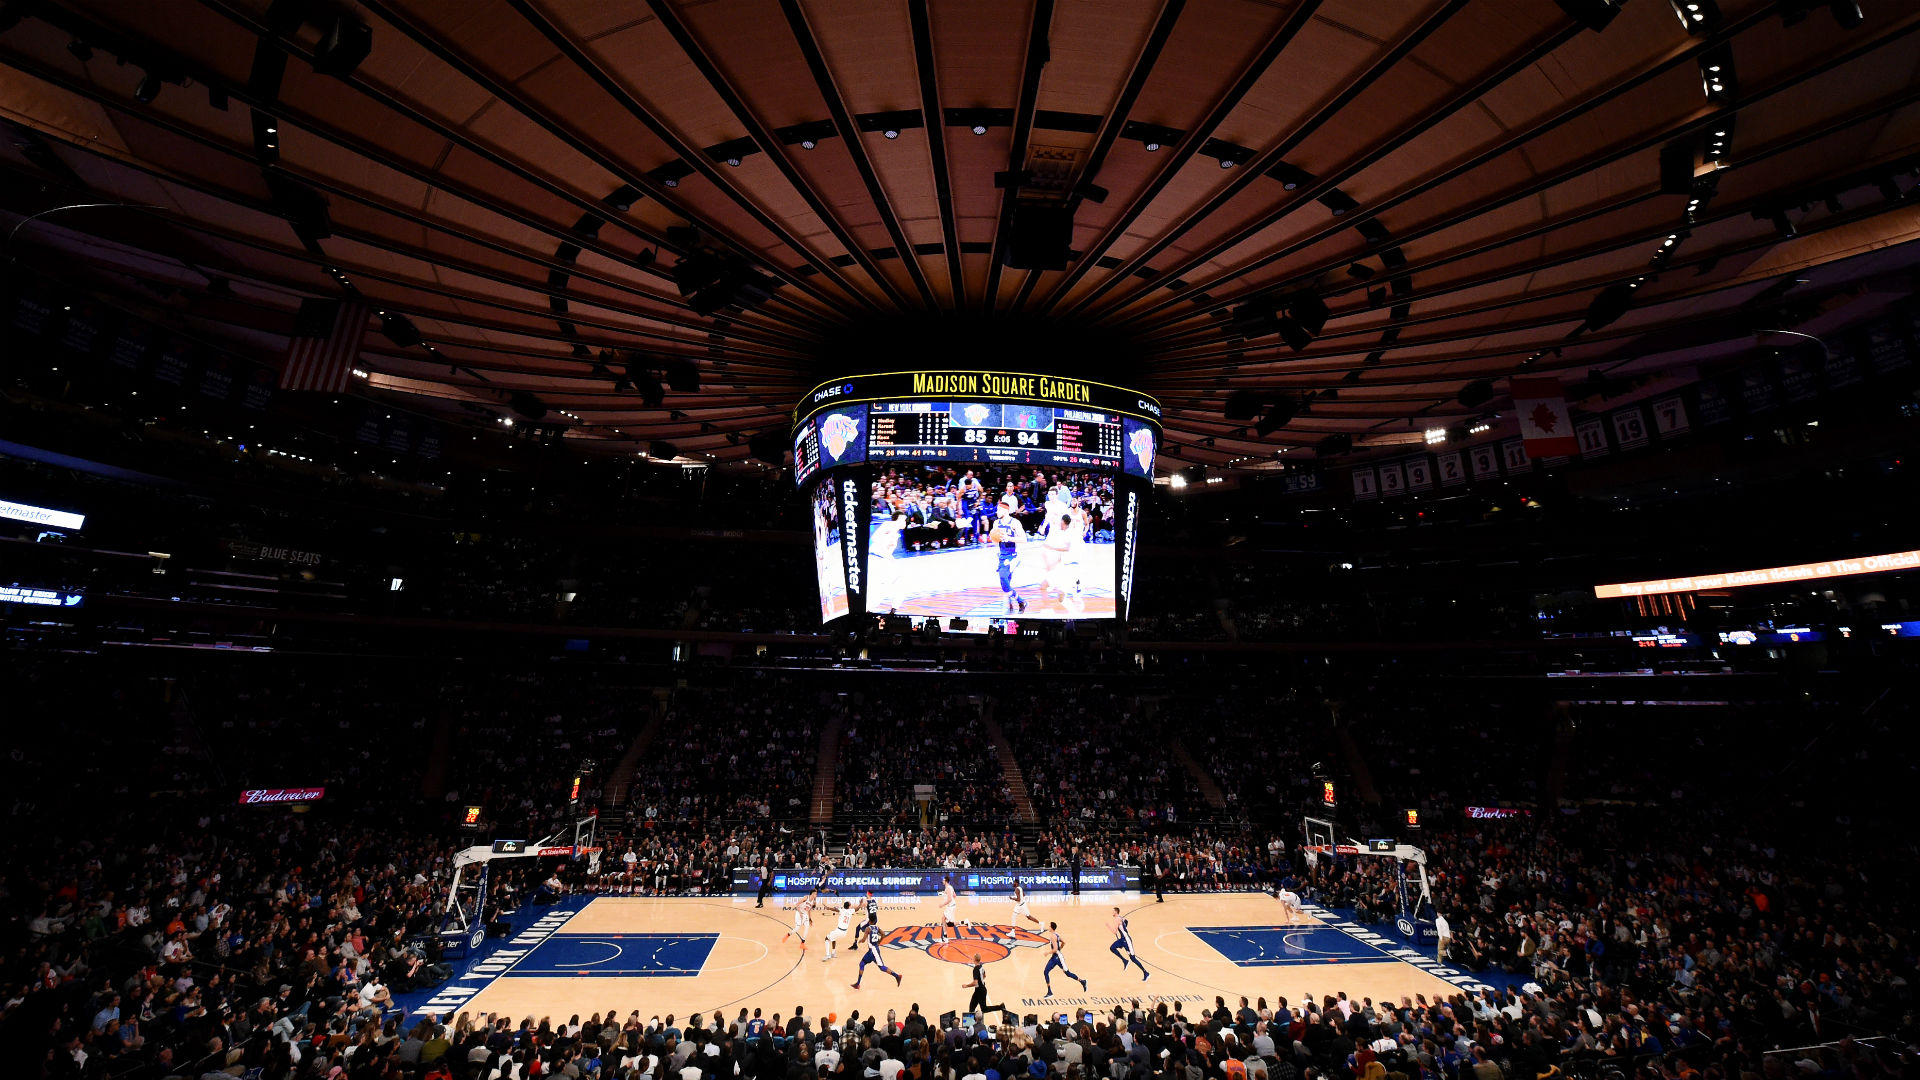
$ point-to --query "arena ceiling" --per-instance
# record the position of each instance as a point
(1465, 185)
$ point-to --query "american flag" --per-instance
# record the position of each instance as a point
(325, 343)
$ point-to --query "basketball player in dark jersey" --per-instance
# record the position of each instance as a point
(873, 909)
(1008, 532)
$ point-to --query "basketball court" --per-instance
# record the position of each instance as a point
(694, 954)
(964, 583)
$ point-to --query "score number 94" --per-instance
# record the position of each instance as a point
(1020, 438)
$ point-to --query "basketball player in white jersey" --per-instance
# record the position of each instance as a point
(1123, 943)
(1020, 910)
(802, 919)
(1058, 549)
(839, 931)
(1289, 904)
(947, 905)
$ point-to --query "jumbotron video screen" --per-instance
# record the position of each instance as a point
(976, 496)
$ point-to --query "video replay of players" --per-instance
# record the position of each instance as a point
(956, 540)
(975, 498)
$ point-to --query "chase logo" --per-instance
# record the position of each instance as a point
(1146, 406)
(833, 391)
(973, 881)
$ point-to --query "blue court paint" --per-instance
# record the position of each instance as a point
(1287, 946)
(624, 956)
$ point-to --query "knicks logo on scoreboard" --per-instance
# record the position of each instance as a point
(986, 943)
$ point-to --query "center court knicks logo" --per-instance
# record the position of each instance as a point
(989, 943)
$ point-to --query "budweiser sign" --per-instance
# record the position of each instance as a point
(1496, 813)
(281, 795)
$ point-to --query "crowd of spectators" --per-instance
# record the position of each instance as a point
(1096, 755)
(743, 751)
(913, 735)
(947, 846)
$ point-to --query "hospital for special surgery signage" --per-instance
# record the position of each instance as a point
(929, 881)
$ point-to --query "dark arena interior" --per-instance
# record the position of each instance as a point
(960, 539)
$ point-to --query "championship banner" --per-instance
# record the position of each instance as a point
(1670, 416)
(1715, 406)
(1630, 427)
(1393, 480)
(1453, 471)
(1486, 462)
(1514, 452)
(989, 880)
(1419, 473)
(1756, 388)
(1842, 368)
(1887, 347)
(1365, 485)
(1544, 422)
(1592, 434)
(1798, 379)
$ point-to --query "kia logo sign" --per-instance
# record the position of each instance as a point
(259, 796)
(1404, 925)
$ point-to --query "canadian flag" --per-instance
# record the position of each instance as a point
(1544, 422)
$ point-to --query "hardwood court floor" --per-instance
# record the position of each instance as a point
(685, 955)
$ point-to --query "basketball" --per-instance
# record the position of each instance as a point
(963, 952)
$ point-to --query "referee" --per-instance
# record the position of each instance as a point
(766, 884)
(978, 1003)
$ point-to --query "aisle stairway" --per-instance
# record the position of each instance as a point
(1562, 752)
(825, 766)
(613, 791)
(1009, 765)
(1208, 788)
(1356, 765)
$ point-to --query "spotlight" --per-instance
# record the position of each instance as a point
(623, 197)
(1847, 13)
(1242, 405)
(891, 133)
(734, 161)
(342, 46)
(1152, 146)
(148, 89)
(1697, 16)
(1436, 436)
(1782, 224)
(807, 144)
(1279, 415)
(1311, 311)
(1290, 176)
(1294, 334)
(1226, 163)
(979, 129)
(1592, 14)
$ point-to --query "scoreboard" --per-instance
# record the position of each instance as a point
(995, 432)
